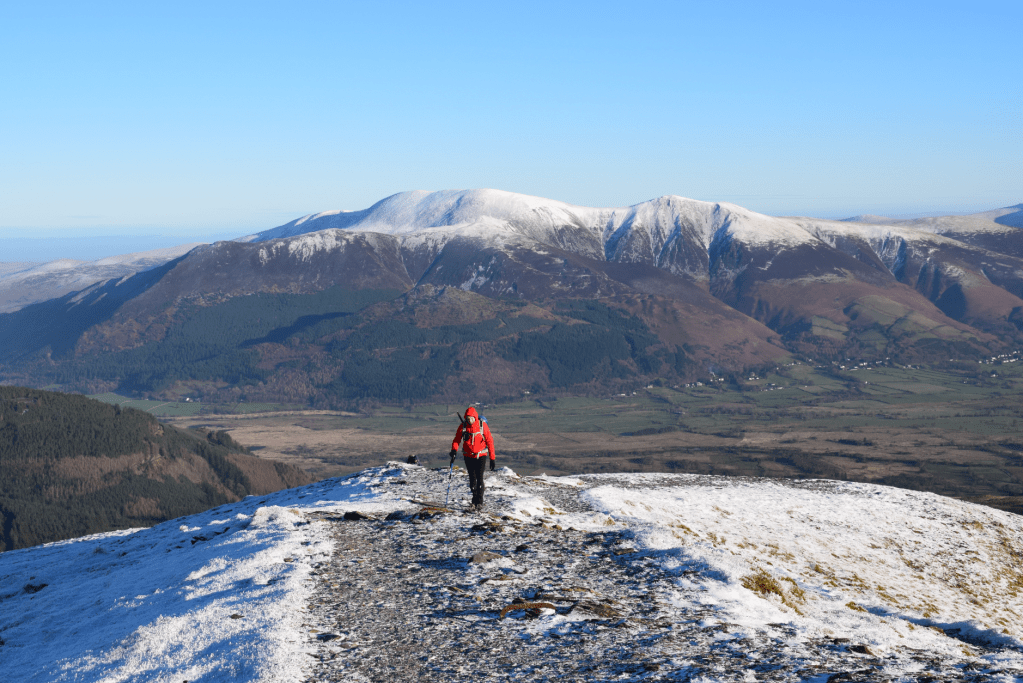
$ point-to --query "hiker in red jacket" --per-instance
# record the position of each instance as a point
(477, 446)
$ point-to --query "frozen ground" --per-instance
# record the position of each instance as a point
(601, 577)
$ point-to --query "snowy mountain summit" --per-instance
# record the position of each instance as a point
(599, 577)
(718, 285)
(653, 230)
(784, 271)
(651, 227)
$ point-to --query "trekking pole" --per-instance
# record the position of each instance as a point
(451, 470)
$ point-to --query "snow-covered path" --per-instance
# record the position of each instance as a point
(630, 577)
(636, 594)
(213, 596)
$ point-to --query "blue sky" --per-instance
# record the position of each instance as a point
(181, 121)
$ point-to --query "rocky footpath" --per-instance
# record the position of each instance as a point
(433, 593)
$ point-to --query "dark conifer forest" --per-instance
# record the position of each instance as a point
(73, 466)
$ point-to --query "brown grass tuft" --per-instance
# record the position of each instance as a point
(763, 584)
(526, 606)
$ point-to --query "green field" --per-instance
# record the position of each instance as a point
(801, 396)
(815, 398)
(956, 431)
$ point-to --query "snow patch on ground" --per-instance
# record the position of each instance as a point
(211, 595)
(884, 566)
(223, 594)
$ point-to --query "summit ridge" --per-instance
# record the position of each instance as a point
(615, 576)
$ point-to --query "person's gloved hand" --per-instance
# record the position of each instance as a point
(452, 454)
(491, 465)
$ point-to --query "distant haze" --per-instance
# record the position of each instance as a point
(91, 248)
(85, 244)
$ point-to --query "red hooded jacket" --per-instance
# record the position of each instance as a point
(475, 438)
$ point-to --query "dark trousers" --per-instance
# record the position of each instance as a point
(475, 467)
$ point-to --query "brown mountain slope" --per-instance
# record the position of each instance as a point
(368, 305)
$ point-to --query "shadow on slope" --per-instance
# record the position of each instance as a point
(58, 324)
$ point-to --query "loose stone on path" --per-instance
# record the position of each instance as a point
(448, 596)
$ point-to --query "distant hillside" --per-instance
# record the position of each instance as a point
(429, 295)
(23, 284)
(72, 466)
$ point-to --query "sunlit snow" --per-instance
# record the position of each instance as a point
(221, 595)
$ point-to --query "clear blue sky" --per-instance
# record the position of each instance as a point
(213, 119)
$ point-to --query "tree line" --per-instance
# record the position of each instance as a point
(72, 466)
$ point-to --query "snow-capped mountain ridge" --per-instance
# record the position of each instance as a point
(410, 212)
(1003, 220)
(36, 282)
(655, 231)
(709, 266)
